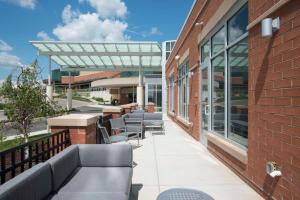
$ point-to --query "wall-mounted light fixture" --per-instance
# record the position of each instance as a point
(190, 74)
(268, 26)
(199, 23)
(272, 169)
(177, 57)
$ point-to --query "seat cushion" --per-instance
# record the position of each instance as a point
(33, 184)
(89, 196)
(63, 164)
(99, 179)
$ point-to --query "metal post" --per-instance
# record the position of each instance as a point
(69, 94)
(49, 86)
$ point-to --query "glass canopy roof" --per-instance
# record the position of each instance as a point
(85, 56)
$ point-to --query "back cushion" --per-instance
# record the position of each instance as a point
(63, 164)
(105, 155)
(153, 116)
(136, 115)
(33, 184)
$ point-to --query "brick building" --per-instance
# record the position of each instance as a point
(238, 92)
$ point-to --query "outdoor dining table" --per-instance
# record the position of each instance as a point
(183, 194)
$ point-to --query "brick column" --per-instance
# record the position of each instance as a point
(82, 127)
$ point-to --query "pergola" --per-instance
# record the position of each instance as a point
(104, 56)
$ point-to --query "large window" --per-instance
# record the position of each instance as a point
(183, 83)
(226, 52)
(171, 93)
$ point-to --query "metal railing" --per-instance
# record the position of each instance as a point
(22, 157)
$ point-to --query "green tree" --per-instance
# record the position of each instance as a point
(26, 100)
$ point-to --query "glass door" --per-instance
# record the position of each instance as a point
(205, 108)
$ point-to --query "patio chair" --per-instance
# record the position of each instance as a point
(109, 139)
(118, 126)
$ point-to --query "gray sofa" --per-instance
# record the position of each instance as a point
(102, 172)
(147, 118)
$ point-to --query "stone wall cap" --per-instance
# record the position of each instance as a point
(126, 106)
(113, 110)
(75, 119)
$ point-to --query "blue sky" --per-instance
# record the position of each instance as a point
(83, 20)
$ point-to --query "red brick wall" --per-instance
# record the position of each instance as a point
(274, 100)
(274, 97)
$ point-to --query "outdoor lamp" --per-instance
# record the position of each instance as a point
(177, 57)
(268, 26)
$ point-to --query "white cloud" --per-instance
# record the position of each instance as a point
(44, 36)
(89, 27)
(68, 14)
(30, 4)
(4, 46)
(155, 31)
(108, 8)
(8, 60)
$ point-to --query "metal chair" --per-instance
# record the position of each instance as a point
(118, 126)
(109, 139)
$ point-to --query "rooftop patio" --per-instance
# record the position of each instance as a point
(177, 160)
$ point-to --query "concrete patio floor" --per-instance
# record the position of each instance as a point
(177, 160)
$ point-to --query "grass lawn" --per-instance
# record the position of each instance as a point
(12, 143)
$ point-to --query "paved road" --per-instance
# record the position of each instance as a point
(42, 123)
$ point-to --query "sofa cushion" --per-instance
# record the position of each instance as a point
(63, 164)
(89, 196)
(99, 179)
(152, 116)
(136, 115)
(105, 155)
(33, 184)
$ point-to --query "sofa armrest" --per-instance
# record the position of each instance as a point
(105, 155)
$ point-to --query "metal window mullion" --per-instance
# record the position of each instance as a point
(210, 87)
(226, 84)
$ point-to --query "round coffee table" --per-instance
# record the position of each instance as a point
(183, 194)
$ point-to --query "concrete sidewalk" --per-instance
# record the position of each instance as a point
(177, 160)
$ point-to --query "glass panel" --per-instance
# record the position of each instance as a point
(99, 47)
(42, 47)
(237, 25)
(67, 60)
(158, 98)
(116, 60)
(76, 47)
(87, 60)
(135, 60)
(167, 55)
(77, 60)
(146, 60)
(97, 60)
(204, 100)
(65, 47)
(122, 47)
(110, 47)
(126, 60)
(133, 47)
(218, 41)
(238, 112)
(146, 47)
(168, 46)
(58, 60)
(205, 51)
(87, 47)
(53, 47)
(106, 60)
(172, 45)
(155, 48)
(218, 103)
(151, 93)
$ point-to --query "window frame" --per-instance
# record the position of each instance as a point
(183, 89)
(208, 39)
